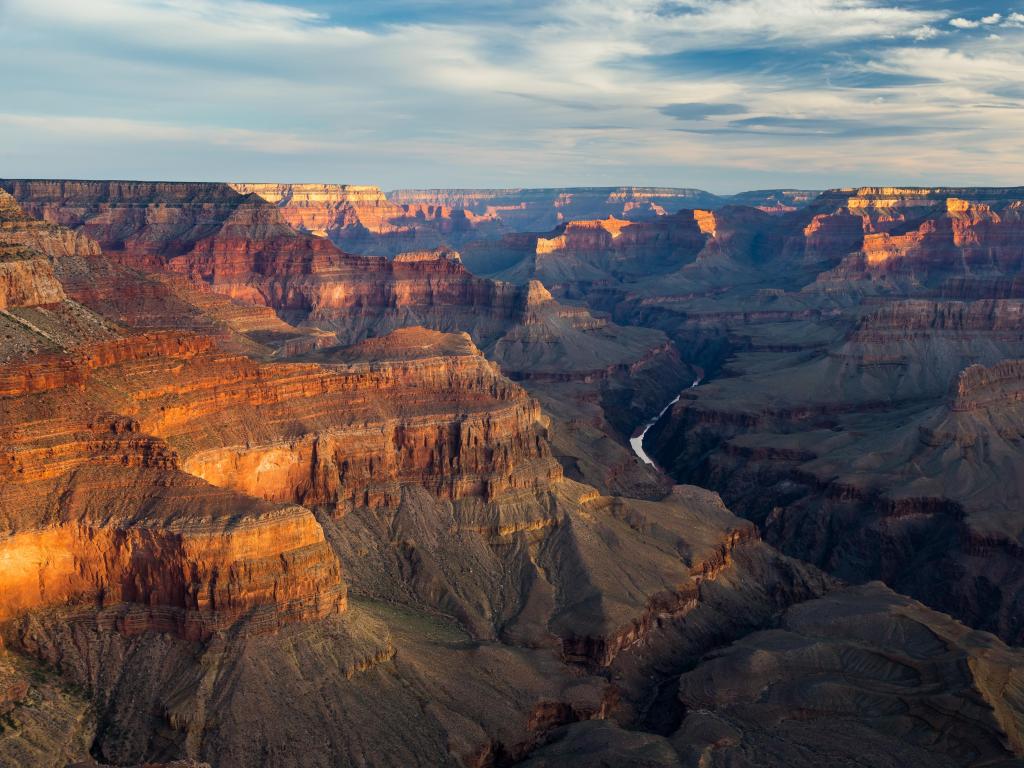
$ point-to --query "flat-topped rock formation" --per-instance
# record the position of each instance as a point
(538, 210)
(241, 246)
(586, 252)
(361, 219)
(926, 235)
(318, 208)
(364, 220)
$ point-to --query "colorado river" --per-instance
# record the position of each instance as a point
(637, 442)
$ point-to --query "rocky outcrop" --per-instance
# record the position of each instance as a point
(141, 224)
(538, 210)
(456, 427)
(96, 510)
(28, 282)
(242, 247)
(192, 578)
(24, 234)
(981, 387)
(361, 219)
(582, 253)
(54, 371)
(926, 235)
(27, 249)
(319, 208)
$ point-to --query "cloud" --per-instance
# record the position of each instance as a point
(190, 23)
(995, 18)
(820, 127)
(724, 23)
(79, 127)
(700, 110)
(540, 91)
(924, 33)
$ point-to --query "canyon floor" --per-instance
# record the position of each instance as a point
(315, 475)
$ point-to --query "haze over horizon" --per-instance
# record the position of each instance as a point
(723, 95)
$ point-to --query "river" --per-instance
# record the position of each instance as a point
(637, 442)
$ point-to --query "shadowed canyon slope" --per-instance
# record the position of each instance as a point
(267, 501)
(843, 680)
(840, 340)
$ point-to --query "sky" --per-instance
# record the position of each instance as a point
(723, 95)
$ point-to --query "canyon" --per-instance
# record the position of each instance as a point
(310, 474)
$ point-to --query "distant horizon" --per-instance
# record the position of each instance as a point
(494, 188)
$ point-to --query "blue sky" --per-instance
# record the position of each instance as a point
(720, 94)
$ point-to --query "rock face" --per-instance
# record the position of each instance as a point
(26, 247)
(361, 219)
(27, 283)
(927, 236)
(898, 439)
(823, 432)
(241, 246)
(195, 562)
(586, 258)
(607, 249)
(538, 210)
(208, 245)
(364, 220)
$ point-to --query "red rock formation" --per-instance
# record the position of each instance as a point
(362, 220)
(98, 510)
(28, 282)
(924, 234)
(541, 209)
(593, 252)
(19, 231)
(980, 387)
(352, 432)
(192, 578)
(242, 247)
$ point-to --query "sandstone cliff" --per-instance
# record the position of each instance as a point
(361, 219)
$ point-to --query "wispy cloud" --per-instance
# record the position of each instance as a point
(78, 127)
(700, 110)
(719, 93)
